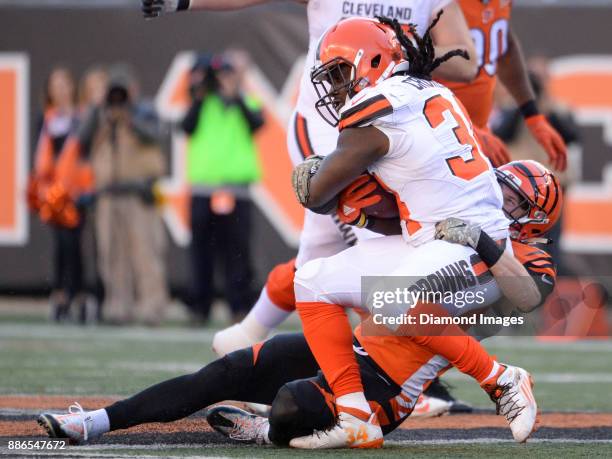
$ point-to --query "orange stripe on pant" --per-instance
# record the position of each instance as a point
(330, 338)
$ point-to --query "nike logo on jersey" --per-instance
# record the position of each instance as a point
(547, 279)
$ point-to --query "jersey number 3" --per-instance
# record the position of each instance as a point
(438, 111)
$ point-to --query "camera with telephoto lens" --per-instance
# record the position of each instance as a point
(209, 65)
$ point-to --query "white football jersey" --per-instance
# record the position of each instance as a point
(434, 165)
(322, 14)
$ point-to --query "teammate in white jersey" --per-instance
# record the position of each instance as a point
(309, 135)
(374, 83)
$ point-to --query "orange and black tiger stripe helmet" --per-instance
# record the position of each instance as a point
(542, 197)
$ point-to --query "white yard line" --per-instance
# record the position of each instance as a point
(67, 332)
(492, 441)
(70, 332)
(550, 378)
(106, 450)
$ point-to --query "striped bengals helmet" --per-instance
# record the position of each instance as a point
(353, 54)
(541, 193)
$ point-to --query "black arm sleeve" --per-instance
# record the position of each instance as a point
(253, 117)
(543, 271)
(190, 122)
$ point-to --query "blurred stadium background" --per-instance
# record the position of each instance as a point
(36, 35)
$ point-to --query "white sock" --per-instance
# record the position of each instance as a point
(354, 400)
(99, 422)
(494, 370)
(264, 315)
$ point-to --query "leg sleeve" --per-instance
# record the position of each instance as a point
(251, 375)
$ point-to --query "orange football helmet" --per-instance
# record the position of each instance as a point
(542, 198)
(353, 54)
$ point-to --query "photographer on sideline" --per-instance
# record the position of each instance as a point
(222, 162)
(122, 138)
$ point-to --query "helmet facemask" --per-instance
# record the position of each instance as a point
(335, 83)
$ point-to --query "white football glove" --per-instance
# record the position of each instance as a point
(155, 8)
(458, 231)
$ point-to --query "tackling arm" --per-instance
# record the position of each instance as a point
(513, 279)
(515, 283)
(451, 33)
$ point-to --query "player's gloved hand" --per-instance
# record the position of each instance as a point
(458, 231)
(155, 8)
(493, 147)
(300, 178)
(354, 198)
(550, 140)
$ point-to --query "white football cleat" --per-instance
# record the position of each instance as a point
(239, 424)
(74, 425)
(513, 397)
(349, 432)
(429, 407)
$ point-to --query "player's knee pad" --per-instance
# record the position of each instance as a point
(304, 283)
(279, 285)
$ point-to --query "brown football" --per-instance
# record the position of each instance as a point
(386, 207)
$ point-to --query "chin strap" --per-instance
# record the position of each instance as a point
(388, 71)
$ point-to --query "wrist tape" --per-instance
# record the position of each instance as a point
(488, 250)
(529, 108)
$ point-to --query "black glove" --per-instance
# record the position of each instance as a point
(155, 8)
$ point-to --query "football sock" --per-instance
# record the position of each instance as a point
(328, 333)
(494, 374)
(264, 316)
(355, 400)
(100, 422)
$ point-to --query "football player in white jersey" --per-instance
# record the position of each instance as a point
(410, 133)
(309, 135)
